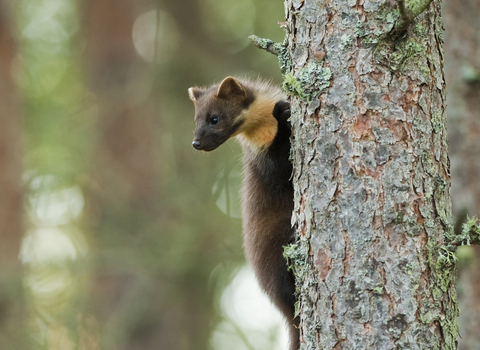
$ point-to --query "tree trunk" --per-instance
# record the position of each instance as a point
(123, 176)
(462, 72)
(371, 177)
(140, 235)
(12, 308)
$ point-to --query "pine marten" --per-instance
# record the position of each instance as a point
(257, 114)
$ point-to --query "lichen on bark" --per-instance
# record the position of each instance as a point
(371, 178)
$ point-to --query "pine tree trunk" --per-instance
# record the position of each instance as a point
(371, 177)
(133, 300)
(124, 175)
(13, 315)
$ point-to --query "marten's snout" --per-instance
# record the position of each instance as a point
(196, 144)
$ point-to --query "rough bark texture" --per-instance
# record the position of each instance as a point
(462, 73)
(371, 178)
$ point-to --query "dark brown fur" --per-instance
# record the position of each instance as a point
(256, 113)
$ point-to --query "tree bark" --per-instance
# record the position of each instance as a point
(371, 177)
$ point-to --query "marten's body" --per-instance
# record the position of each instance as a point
(257, 114)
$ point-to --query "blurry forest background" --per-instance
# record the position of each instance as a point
(114, 232)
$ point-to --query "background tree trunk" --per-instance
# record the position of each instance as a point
(462, 73)
(13, 315)
(146, 292)
(372, 205)
(124, 177)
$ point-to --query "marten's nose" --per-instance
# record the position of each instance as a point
(196, 144)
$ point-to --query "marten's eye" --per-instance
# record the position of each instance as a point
(214, 120)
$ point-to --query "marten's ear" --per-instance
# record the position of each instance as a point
(194, 93)
(231, 88)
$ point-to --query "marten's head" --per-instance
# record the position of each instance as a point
(218, 112)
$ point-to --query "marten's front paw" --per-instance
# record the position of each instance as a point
(281, 111)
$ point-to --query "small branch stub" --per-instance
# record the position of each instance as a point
(266, 44)
(408, 12)
(470, 233)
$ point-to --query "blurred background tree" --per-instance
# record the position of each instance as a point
(131, 239)
(131, 236)
(462, 74)
(12, 302)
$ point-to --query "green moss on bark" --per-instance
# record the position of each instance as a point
(309, 82)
